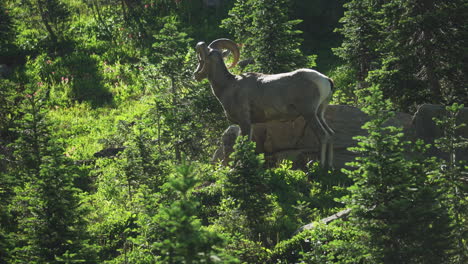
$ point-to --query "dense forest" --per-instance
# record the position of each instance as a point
(106, 139)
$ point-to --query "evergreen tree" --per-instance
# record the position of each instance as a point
(6, 30)
(8, 180)
(453, 188)
(415, 50)
(424, 52)
(170, 48)
(176, 234)
(51, 15)
(7, 184)
(8, 115)
(362, 33)
(50, 222)
(140, 162)
(392, 200)
(247, 185)
(267, 35)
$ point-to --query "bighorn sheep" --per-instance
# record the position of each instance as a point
(252, 98)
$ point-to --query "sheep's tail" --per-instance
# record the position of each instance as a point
(332, 84)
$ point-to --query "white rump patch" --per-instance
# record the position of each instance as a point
(322, 82)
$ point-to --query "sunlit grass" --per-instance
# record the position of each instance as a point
(82, 126)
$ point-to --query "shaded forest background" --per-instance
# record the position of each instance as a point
(106, 139)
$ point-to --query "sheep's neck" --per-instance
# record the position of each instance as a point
(220, 78)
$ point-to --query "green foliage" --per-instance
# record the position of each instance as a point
(319, 20)
(326, 187)
(80, 79)
(395, 44)
(186, 116)
(451, 142)
(344, 80)
(175, 234)
(413, 63)
(391, 199)
(50, 222)
(450, 178)
(267, 35)
(45, 22)
(279, 200)
(170, 47)
(8, 181)
(182, 238)
(141, 163)
(361, 31)
(8, 111)
(246, 183)
(33, 135)
(333, 243)
(291, 191)
(6, 30)
(75, 78)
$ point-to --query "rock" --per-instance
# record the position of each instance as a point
(228, 140)
(426, 129)
(291, 140)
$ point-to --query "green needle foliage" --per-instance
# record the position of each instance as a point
(452, 178)
(247, 185)
(6, 30)
(50, 221)
(180, 237)
(92, 164)
(412, 49)
(268, 35)
(391, 199)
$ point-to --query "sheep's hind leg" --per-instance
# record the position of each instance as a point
(321, 133)
(331, 133)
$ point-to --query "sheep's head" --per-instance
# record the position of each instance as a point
(209, 55)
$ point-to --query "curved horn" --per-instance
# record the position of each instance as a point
(202, 52)
(228, 44)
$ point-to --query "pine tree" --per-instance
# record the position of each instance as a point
(247, 185)
(392, 200)
(50, 222)
(362, 34)
(171, 47)
(454, 189)
(6, 30)
(51, 15)
(415, 50)
(424, 52)
(176, 234)
(8, 115)
(140, 162)
(267, 35)
(8, 180)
